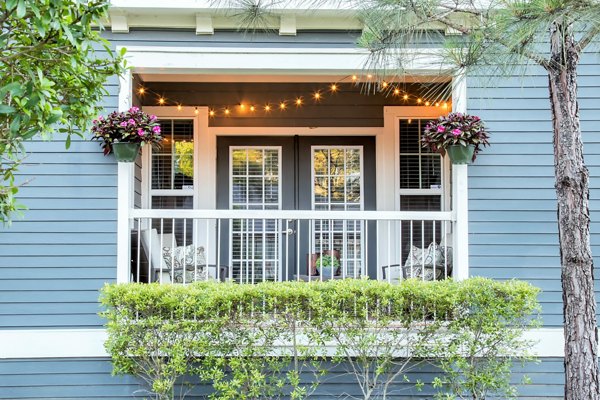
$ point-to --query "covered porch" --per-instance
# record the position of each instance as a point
(259, 180)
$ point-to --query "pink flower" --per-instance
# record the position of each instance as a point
(152, 117)
(131, 121)
(441, 129)
(123, 124)
(156, 129)
(100, 118)
(141, 132)
(456, 132)
(134, 109)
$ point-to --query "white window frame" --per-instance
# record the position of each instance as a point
(391, 137)
(171, 113)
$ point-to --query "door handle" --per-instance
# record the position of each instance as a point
(289, 232)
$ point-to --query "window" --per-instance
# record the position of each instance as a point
(421, 184)
(172, 175)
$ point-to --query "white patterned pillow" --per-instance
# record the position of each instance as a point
(188, 256)
(420, 263)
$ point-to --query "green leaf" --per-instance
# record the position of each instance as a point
(6, 109)
(21, 9)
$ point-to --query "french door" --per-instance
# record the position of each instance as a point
(295, 173)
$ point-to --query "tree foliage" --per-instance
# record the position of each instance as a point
(53, 68)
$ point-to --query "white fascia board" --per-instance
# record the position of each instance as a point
(285, 5)
(266, 61)
(74, 343)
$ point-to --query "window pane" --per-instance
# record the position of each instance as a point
(419, 168)
(173, 161)
(183, 229)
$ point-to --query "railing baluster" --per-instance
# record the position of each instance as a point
(161, 259)
(184, 266)
(422, 250)
(298, 224)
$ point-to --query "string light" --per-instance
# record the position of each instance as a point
(392, 88)
(410, 121)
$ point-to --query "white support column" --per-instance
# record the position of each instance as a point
(460, 208)
(460, 192)
(125, 175)
(125, 203)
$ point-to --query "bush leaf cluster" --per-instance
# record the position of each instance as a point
(256, 341)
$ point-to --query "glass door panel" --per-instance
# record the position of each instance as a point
(337, 178)
(255, 184)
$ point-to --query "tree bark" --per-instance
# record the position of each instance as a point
(572, 191)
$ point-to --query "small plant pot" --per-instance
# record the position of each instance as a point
(460, 154)
(326, 272)
(125, 151)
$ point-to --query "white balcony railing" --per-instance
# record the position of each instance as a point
(249, 246)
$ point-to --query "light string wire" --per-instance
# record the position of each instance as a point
(316, 97)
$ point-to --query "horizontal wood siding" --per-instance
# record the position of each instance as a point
(91, 379)
(512, 200)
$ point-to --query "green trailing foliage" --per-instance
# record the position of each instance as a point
(257, 341)
(53, 68)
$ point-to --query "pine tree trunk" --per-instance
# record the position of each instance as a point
(572, 190)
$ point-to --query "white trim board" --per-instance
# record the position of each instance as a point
(73, 343)
(266, 61)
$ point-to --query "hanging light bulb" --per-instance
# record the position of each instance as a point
(334, 87)
(445, 105)
(354, 78)
(369, 76)
(419, 100)
(242, 106)
(396, 91)
(211, 113)
(384, 84)
(196, 110)
(179, 107)
(410, 121)
(427, 103)
(282, 105)
(252, 108)
(405, 97)
(317, 96)
(161, 101)
(141, 90)
(227, 112)
(299, 101)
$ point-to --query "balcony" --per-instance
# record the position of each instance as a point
(250, 246)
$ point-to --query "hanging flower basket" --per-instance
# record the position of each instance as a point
(460, 135)
(126, 151)
(460, 154)
(123, 133)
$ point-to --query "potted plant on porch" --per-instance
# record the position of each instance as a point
(123, 133)
(460, 135)
(328, 264)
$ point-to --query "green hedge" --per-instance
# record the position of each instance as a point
(231, 335)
